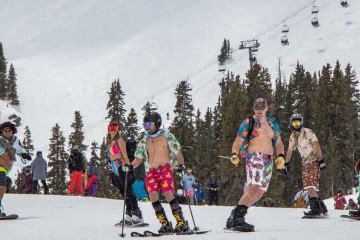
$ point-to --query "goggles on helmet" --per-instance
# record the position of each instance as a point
(260, 106)
(113, 127)
(148, 124)
(296, 123)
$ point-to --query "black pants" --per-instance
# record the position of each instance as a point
(130, 201)
(35, 186)
(213, 197)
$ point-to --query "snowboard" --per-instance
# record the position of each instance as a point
(133, 225)
(350, 217)
(153, 234)
(314, 217)
(10, 217)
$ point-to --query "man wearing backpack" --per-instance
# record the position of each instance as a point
(76, 167)
(263, 141)
(305, 140)
(161, 152)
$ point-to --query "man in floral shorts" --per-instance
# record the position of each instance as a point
(261, 134)
(159, 150)
(308, 145)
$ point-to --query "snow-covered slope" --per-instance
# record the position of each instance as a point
(62, 217)
(67, 53)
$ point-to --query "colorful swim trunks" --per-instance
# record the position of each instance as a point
(160, 178)
(258, 169)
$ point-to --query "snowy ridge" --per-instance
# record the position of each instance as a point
(66, 53)
(63, 217)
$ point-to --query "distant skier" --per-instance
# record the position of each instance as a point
(76, 165)
(39, 170)
(213, 187)
(263, 141)
(308, 145)
(159, 149)
(188, 182)
(93, 181)
(340, 200)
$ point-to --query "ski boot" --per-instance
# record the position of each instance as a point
(315, 208)
(181, 224)
(323, 208)
(166, 226)
(137, 217)
(236, 221)
(2, 213)
(354, 213)
(127, 220)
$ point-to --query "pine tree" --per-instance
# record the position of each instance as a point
(57, 162)
(116, 105)
(182, 126)
(3, 71)
(19, 181)
(28, 142)
(131, 126)
(76, 137)
(93, 151)
(12, 87)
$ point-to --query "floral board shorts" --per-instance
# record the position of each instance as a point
(258, 169)
(310, 175)
(160, 179)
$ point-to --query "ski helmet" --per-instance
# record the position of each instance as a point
(297, 116)
(38, 153)
(153, 117)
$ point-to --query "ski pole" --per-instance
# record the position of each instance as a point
(123, 218)
(192, 216)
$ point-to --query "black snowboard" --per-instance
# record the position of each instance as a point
(314, 216)
(350, 217)
(10, 217)
(241, 229)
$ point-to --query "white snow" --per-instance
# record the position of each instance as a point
(64, 217)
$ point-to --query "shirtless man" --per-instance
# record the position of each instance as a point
(262, 143)
(159, 149)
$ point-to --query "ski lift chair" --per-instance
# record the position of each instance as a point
(315, 22)
(222, 67)
(344, 3)
(284, 41)
(285, 29)
(254, 49)
(314, 9)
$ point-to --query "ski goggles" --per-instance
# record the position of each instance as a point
(260, 106)
(296, 123)
(114, 127)
(148, 124)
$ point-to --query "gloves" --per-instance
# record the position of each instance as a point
(284, 171)
(280, 162)
(26, 156)
(235, 159)
(127, 167)
(180, 169)
(321, 164)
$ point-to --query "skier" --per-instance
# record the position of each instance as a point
(39, 169)
(92, 184)
(28, 180)
(159, 149)
(187, 182)
(120, 162)
(76, 167)
(263, 140)
(199, 196)
(305, 140)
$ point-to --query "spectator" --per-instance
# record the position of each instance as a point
(76, 167)
(28, 180)
(187, 183)
(340, 200)
(213, 186)
(351, 205)
(39, 170)
(93, 180)
(199, 196)
(301, 199)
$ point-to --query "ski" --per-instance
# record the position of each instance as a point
(10, 217)
(350, 217)
(153, 234)
(138, 225)
(240, 229)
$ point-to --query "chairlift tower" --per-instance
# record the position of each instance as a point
(253, 46)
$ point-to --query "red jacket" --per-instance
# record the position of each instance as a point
(340, 201)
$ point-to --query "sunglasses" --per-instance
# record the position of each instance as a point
(148, 124)
(259, 107)
(296, 123)
(113, 128)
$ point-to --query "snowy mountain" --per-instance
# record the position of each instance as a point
(66, 53)
(63, 217)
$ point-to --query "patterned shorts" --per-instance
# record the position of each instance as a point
(160, 179)
(189, 193)
(310, 175)
(258, 169)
